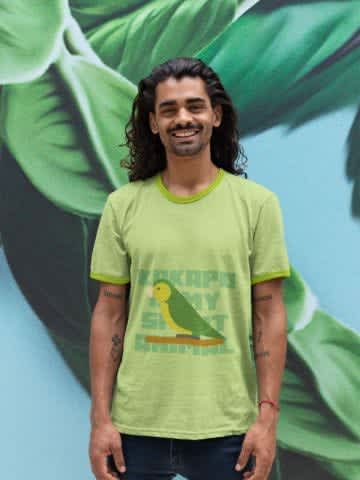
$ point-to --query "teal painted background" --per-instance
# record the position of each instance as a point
(65, 95)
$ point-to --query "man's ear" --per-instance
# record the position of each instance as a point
(152, 123)
(218, 115)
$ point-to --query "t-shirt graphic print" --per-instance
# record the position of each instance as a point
(177, 319)
(187, 369)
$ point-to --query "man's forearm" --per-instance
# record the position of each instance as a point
(106, 348)
(269, 342)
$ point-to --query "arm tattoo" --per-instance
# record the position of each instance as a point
(264, 353)
(263, 299)
(107, 293)
(258, 330)
(116, 347)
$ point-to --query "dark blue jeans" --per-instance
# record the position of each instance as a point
(153, 458)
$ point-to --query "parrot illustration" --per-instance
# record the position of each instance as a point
(179, 315)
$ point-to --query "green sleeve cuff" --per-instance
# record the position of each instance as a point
(109, 278)
(269, 276)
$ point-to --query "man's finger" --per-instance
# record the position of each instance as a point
(118, 456)
(249, 474)
(262, 467)
(246, 450)
(100, 468)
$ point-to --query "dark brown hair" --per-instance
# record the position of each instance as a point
(146, 151)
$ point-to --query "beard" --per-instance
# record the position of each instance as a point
(187, 150)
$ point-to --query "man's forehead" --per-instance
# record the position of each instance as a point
(185, 88)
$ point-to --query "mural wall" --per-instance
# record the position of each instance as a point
(68, 74)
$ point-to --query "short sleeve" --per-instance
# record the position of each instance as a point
(269, 257)
(110, 261)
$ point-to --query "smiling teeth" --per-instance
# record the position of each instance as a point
(186, 133)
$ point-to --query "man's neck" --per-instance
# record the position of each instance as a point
(188, 176)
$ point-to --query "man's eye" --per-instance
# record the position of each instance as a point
(196, 108)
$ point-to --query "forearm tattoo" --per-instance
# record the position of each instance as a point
(264, 353)
(263, 299)
(116, 347)
(257, 327)
(108, 293)
(258, 331)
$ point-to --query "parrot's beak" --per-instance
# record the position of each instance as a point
(149, 291)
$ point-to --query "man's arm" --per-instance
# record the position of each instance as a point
(106, 346)
(269, 343)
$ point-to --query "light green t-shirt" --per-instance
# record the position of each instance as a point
(187, 369)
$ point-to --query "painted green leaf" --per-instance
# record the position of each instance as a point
(92, 12)
(324, 334)
(353, 163)
(48, 251)
(27, 47)
(297, 63)
(133, 44)
(319, 415)
(64, 129)
(318, 418)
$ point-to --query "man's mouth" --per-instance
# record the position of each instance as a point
(185, 133)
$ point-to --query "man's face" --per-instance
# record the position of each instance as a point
(184, 117)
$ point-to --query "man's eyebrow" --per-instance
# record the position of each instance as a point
(168, 103)
(195, 100)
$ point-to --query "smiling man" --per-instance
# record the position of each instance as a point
(186, 369)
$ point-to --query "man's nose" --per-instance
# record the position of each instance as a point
(183, 116)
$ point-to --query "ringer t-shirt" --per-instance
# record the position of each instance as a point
(187, 369)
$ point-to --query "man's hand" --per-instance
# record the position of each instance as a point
(105, 440)
(260, 441)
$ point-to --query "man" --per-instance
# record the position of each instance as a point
(200, 253)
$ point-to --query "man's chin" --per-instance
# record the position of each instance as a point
(187, 151)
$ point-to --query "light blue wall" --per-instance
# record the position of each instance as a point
(306, 169)
(44, 411)
(45, 427)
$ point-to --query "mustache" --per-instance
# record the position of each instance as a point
(188, 127)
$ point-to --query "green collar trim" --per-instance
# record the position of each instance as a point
(189, 198)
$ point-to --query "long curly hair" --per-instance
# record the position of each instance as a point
(146, 151)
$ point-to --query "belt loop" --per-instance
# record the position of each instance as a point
(171, 451)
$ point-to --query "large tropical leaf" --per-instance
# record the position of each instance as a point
(330, 350)
(134, 43)
(353, 163)
(297, 63)
(317, 419)
(30, 37)
(48, 251)
(64, 129)
(92, 12)
(318, 416)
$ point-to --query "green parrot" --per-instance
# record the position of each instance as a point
(179, 314)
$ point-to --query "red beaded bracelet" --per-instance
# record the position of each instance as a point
(270, 402)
